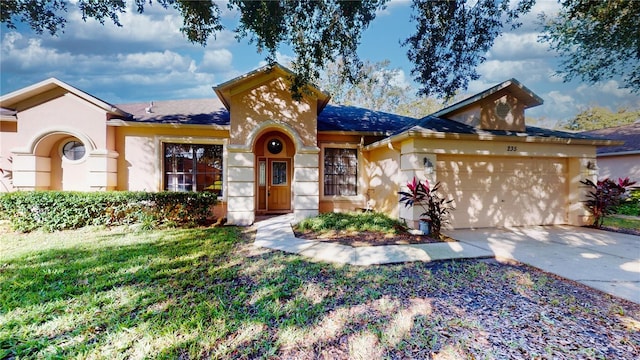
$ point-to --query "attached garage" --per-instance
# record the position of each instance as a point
(505, 191)
(497, 170)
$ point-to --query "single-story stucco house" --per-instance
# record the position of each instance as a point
(265, 153)
(619, 161)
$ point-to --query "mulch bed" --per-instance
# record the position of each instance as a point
(623, 231)
(369, 238)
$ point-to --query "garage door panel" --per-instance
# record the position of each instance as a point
(501, 191)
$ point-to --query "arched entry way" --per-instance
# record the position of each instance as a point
(274, 154)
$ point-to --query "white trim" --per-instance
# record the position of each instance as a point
(160, 140)
(359, 157)
(300, 148)
(70, 132)
(418, 133)
(48, 84)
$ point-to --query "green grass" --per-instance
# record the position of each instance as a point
(620, 223)
(208, 293)
(370, 221)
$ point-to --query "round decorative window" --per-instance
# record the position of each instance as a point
(274, 146)
(73, 150)
(502, 110)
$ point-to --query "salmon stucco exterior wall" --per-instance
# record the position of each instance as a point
(47, 122)
(615, 166)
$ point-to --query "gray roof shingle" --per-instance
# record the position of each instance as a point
(187, 112)
(630, 134)
(436, 124)
(212, 111)
(351, 118)
(332, 118)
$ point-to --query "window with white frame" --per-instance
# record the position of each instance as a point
(340, 172)
(193, 167)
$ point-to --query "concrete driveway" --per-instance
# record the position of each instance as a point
(603, 260)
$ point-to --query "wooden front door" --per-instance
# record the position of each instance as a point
(279, 185)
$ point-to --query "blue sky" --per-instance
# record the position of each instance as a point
(148, 59)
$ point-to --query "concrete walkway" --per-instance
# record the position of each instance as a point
(603, 260)
(276, 233)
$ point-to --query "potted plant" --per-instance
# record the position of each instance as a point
(436, 209)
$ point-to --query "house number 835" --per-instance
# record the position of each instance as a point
(512, 148)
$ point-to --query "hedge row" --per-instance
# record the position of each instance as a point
(631, 206)
(60, 210)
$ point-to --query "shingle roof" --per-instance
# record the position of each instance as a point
(351, 118)
(187, 112)
(213, 112)
(630, 134)
(332, 118)
(436, 124)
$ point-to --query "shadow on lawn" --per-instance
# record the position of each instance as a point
(206, 294)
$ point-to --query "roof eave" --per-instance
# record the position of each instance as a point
(619, 153)
(417, 132)
(355, 132)
(17, 96)
(535, 100)
(224, 90)
(120, 122)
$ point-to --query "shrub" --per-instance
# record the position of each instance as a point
(368, 221)
(605, 196)
(630, 206)
(60, 210)
(436, 208)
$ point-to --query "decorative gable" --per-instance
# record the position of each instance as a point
(264, 95)
(498, 108)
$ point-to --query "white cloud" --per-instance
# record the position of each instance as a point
(154, 61)
(610, 87)
(22, 54)
(156, 29)
(557, 105)
(283, 59)
(526, 71)
(518, 46)
(393, 4)
(399, 78)
(219, 59)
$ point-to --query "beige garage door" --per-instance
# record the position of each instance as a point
(505, 191)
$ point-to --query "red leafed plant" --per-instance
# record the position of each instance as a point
(436, 208)
(605, 196)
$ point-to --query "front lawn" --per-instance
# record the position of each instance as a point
(208, 293)
(614, 223)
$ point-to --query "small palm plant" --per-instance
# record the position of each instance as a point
(436, 208)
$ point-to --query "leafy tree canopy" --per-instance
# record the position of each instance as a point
(378, 88)
(600, 117)
(452, 37)
(597, 40)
